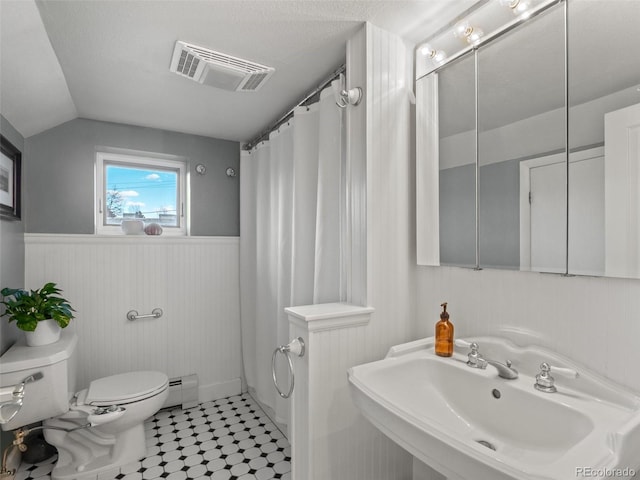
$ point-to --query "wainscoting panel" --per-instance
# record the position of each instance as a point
(330, 439)
(194, 280)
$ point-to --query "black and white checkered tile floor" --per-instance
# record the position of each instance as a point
(227, 439)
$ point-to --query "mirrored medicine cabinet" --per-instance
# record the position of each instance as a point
(528, 145)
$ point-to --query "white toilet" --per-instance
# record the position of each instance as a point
(95, 430)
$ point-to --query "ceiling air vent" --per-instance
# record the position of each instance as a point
(218, 69)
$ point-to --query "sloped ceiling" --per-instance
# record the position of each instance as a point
(33, 90)
(109, 60)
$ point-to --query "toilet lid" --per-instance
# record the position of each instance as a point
(126, 388)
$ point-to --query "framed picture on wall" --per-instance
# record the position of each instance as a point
(10, 159)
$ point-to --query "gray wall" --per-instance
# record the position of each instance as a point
(499, 215)
(458, 216)
(59, 177)
(11, 245)
(11, 259)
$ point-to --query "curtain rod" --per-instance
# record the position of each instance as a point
(274, 126)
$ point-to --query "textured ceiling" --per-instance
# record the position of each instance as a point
(109, 60)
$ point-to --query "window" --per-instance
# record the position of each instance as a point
(147, 188)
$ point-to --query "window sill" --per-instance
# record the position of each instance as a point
(48, 238)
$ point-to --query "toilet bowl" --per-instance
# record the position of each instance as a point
(116, 407)
(96, 430)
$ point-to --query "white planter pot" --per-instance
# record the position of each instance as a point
(47, 331)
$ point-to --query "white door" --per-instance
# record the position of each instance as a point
(622, 198)
(586, 212)
(548, 229)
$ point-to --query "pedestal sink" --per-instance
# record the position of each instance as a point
(469, 423)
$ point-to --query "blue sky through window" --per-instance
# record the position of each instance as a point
(146, 193)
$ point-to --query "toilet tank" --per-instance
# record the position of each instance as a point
(48, 396)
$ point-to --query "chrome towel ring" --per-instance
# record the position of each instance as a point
(296, 346)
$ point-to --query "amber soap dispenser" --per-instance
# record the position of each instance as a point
(444, 334)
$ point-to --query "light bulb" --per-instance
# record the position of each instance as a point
(462, 29)
(427, 50)
(465, 31)
(439, 56)
(522, 8)
(474, 35)
(509, 3)
(518, 7)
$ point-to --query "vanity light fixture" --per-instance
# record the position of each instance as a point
(464, 34)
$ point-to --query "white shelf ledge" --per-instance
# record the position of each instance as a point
(329, 316)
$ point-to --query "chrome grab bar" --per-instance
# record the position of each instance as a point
(134, 315)
(297, 347)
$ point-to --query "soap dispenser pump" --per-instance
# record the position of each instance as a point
(444, 334)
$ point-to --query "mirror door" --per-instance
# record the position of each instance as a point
(521, 147)
(457, 162)
(604, 138)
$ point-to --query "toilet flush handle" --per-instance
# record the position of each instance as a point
(105, 415)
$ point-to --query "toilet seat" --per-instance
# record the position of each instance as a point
(123, 388)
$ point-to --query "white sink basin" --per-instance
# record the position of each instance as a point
(469, 423)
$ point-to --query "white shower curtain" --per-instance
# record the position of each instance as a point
(292, 194)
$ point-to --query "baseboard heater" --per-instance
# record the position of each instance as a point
(183, 392)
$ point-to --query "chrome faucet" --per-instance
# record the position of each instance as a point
(476, 360)
(505, 370)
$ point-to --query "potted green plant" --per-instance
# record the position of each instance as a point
(42, 308)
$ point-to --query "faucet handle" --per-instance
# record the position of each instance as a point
(545, 382)
(475, 359)
(463, 343)
(567, 372)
